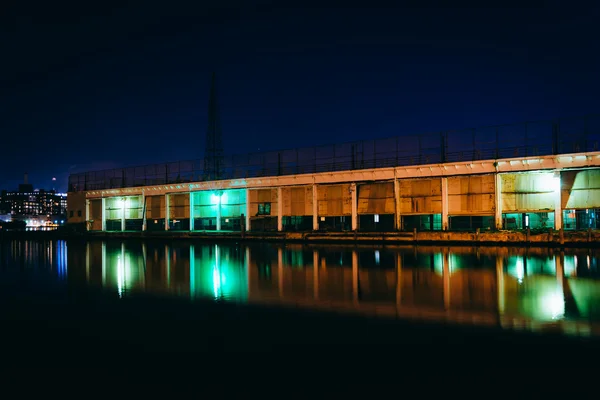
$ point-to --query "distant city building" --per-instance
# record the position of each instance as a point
(37, 207)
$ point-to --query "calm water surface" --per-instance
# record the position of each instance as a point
(532, 289)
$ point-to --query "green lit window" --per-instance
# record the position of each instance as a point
(264, 209)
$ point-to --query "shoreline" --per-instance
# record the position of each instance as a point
(554, 239)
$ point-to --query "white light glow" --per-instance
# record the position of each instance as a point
(554, 304)
(520, 270)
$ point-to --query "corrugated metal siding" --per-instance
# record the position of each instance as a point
(179, 206)
(297, 201)
(471, 195)
(376, 198)
(421, 196)
(580, 189)
(334, 200)
(527, 192)
(155, 207)
(261, 196)
(96, 214)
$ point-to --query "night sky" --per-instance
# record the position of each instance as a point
(90, 88)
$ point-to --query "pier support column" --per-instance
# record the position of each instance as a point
(355, 276)
(144, 212)
(219, 212)
(104, 214)
(498, 201)
(315, 208)
(500, 283)
(557, 202)
(167, 212)
(247, 210)
(123, 208)
(397, 216)
(353, 197)
(444, 204)
(279, 209)
(446, 277)
(192, 212)
(87, 215)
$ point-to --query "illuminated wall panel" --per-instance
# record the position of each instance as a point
(421, 196)
(532, 191)
(204, 205)
(580, 189)
(233, 203)
(334, 200)
(133, 207)
(471, 195)
(297, 201)
(376, 198)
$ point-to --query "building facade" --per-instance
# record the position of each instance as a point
(540, 192)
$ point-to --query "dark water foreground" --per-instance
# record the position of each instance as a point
(151, 304)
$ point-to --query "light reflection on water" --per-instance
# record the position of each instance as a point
(514, 288)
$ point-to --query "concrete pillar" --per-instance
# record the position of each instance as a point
(353, 197)
(355, 276)
(557, 202)
(247, 210)
(192, 211)
(315, 208)
(167, 211)
(280, 270)
(219, 212)
(279, 209)
(498, 201)
(446, 277)
(500, 283)
(398, 278)
(316, 274)
(123, 210)
(104, 214)
(87, 215)
(444, 204)
(397, 216)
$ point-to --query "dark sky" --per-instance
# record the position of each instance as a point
(85, 87)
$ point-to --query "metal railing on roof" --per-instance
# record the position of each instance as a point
(560, 136)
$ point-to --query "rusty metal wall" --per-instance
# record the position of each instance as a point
(420, 196)
(471, 195)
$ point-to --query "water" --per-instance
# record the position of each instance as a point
(531, 289)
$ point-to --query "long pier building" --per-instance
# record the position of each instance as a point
(534, 176)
